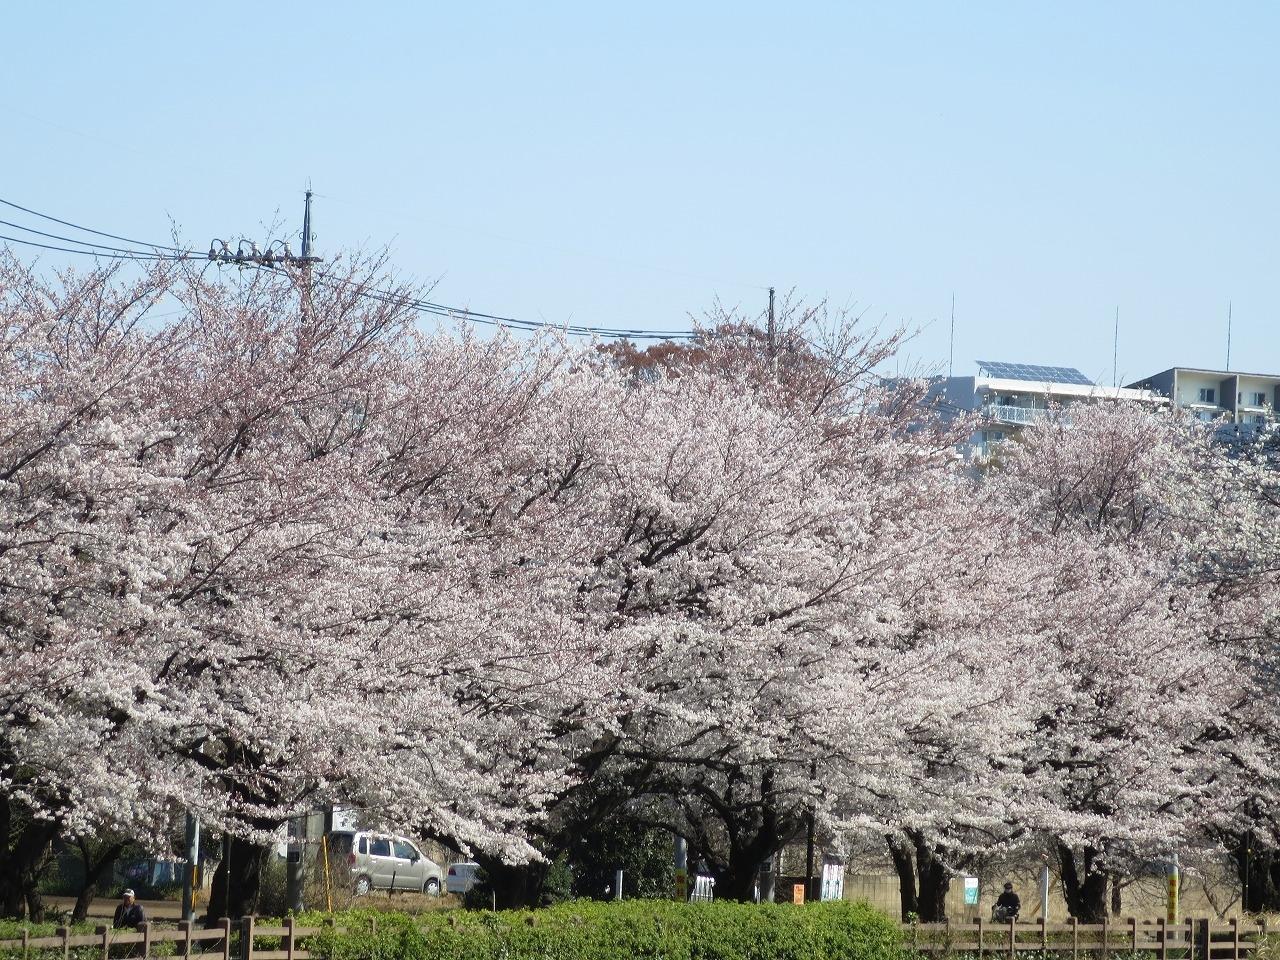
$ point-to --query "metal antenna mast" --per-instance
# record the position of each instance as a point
(1228, 336)
(1115, 349)
(951, 351)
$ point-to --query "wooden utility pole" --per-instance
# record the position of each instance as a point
(773, 330)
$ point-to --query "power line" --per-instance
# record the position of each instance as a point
(496, 320)
(254, 258)
(83, 243)
(100, 233)
(93, 253)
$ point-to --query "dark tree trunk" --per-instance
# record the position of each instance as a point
(1117, 899)
(935, 879)
(94, 870)
(24, 849)
(904, 865)
(751, 845)
(237, 881)
(1084, 884)
(923, 879)
(1258, 869)
(510, 886)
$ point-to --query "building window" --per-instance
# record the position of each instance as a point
(1207, 394)
(1259, 399)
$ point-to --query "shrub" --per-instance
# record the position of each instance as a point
(651, 929)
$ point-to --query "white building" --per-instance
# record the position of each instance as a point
(1012, 396)
(1246, 400)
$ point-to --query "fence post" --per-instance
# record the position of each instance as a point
(1163, 924)
(105, 933)
(1106, 936)
(246, 938)
(1133, 934)
(1075, 937)
(184, 928)
(65, 934)
(1013, 938)
(1206, 937)
(979, 936)
(1235, 938)
(915, 935)
(225, 923)
(1044, 935)
(146, 939)
(288, 932)
(26, 935)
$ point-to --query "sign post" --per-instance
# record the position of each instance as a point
(682, 870)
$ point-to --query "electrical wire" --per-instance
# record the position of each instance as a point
(495, 320)
(107, 251)
(100, 233)
(102, 255)
(83, 243)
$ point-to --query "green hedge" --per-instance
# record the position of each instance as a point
(631, 930)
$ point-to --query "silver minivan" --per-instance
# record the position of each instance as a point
(384, 861)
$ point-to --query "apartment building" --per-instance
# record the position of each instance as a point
(1008, 397)
(1231, 399)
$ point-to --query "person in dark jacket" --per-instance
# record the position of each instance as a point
(129, 913)
(1007, 904)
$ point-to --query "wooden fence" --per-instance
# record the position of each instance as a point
(227, 941)
(248, 940)
(1193, 939)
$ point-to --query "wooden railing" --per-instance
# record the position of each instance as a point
(227, 941)
(1193, 939)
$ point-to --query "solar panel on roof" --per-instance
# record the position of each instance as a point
(1034, 373)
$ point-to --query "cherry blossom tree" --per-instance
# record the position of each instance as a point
(1106, 512)
(279, 548)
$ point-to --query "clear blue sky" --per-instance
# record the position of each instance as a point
(628, 164)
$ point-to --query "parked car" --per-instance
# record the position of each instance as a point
(383, 861)
(462, 877)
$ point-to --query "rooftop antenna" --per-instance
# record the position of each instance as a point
(1228, 336)
(951, 354)
(1115, 349)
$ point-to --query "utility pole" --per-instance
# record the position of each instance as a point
(809, 838)
(681, 853)
(773, 331)
(307, 256)
(295, 878)
(277, 253)
(190, 874)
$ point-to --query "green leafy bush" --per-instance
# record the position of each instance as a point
(630, 930)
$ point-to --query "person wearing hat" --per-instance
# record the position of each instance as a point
(1008, 906)
(128, 912)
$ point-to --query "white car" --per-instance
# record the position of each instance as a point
(462, 877)
(381, 861)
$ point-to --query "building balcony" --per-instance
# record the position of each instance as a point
(1016, 416)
